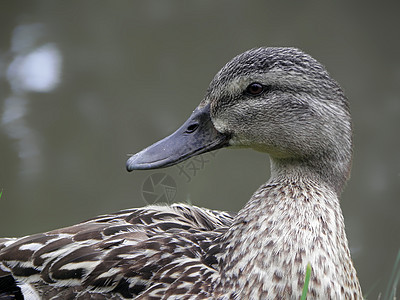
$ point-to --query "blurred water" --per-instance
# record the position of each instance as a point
(84, 84)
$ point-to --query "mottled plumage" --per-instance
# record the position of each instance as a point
(124, 253)
(275, 100)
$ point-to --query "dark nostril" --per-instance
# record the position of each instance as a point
(192, 127)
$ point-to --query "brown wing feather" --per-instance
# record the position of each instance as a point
(146, 250)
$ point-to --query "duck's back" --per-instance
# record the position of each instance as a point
(148, 251)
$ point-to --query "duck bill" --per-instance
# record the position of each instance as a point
(196, 136)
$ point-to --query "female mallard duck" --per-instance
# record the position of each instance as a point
(275, 100)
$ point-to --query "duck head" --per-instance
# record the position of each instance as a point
(276, 100)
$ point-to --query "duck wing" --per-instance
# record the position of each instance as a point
(146, 251)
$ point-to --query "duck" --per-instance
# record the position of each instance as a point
(275, 100)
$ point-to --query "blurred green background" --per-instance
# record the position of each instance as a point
(84, 83)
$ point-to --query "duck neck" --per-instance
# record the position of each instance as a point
(288, 223)
(329, 171)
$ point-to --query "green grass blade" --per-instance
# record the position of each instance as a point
(306, 282)
(394, 279)
(371, 289)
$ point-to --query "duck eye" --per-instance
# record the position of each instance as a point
(255, 88)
